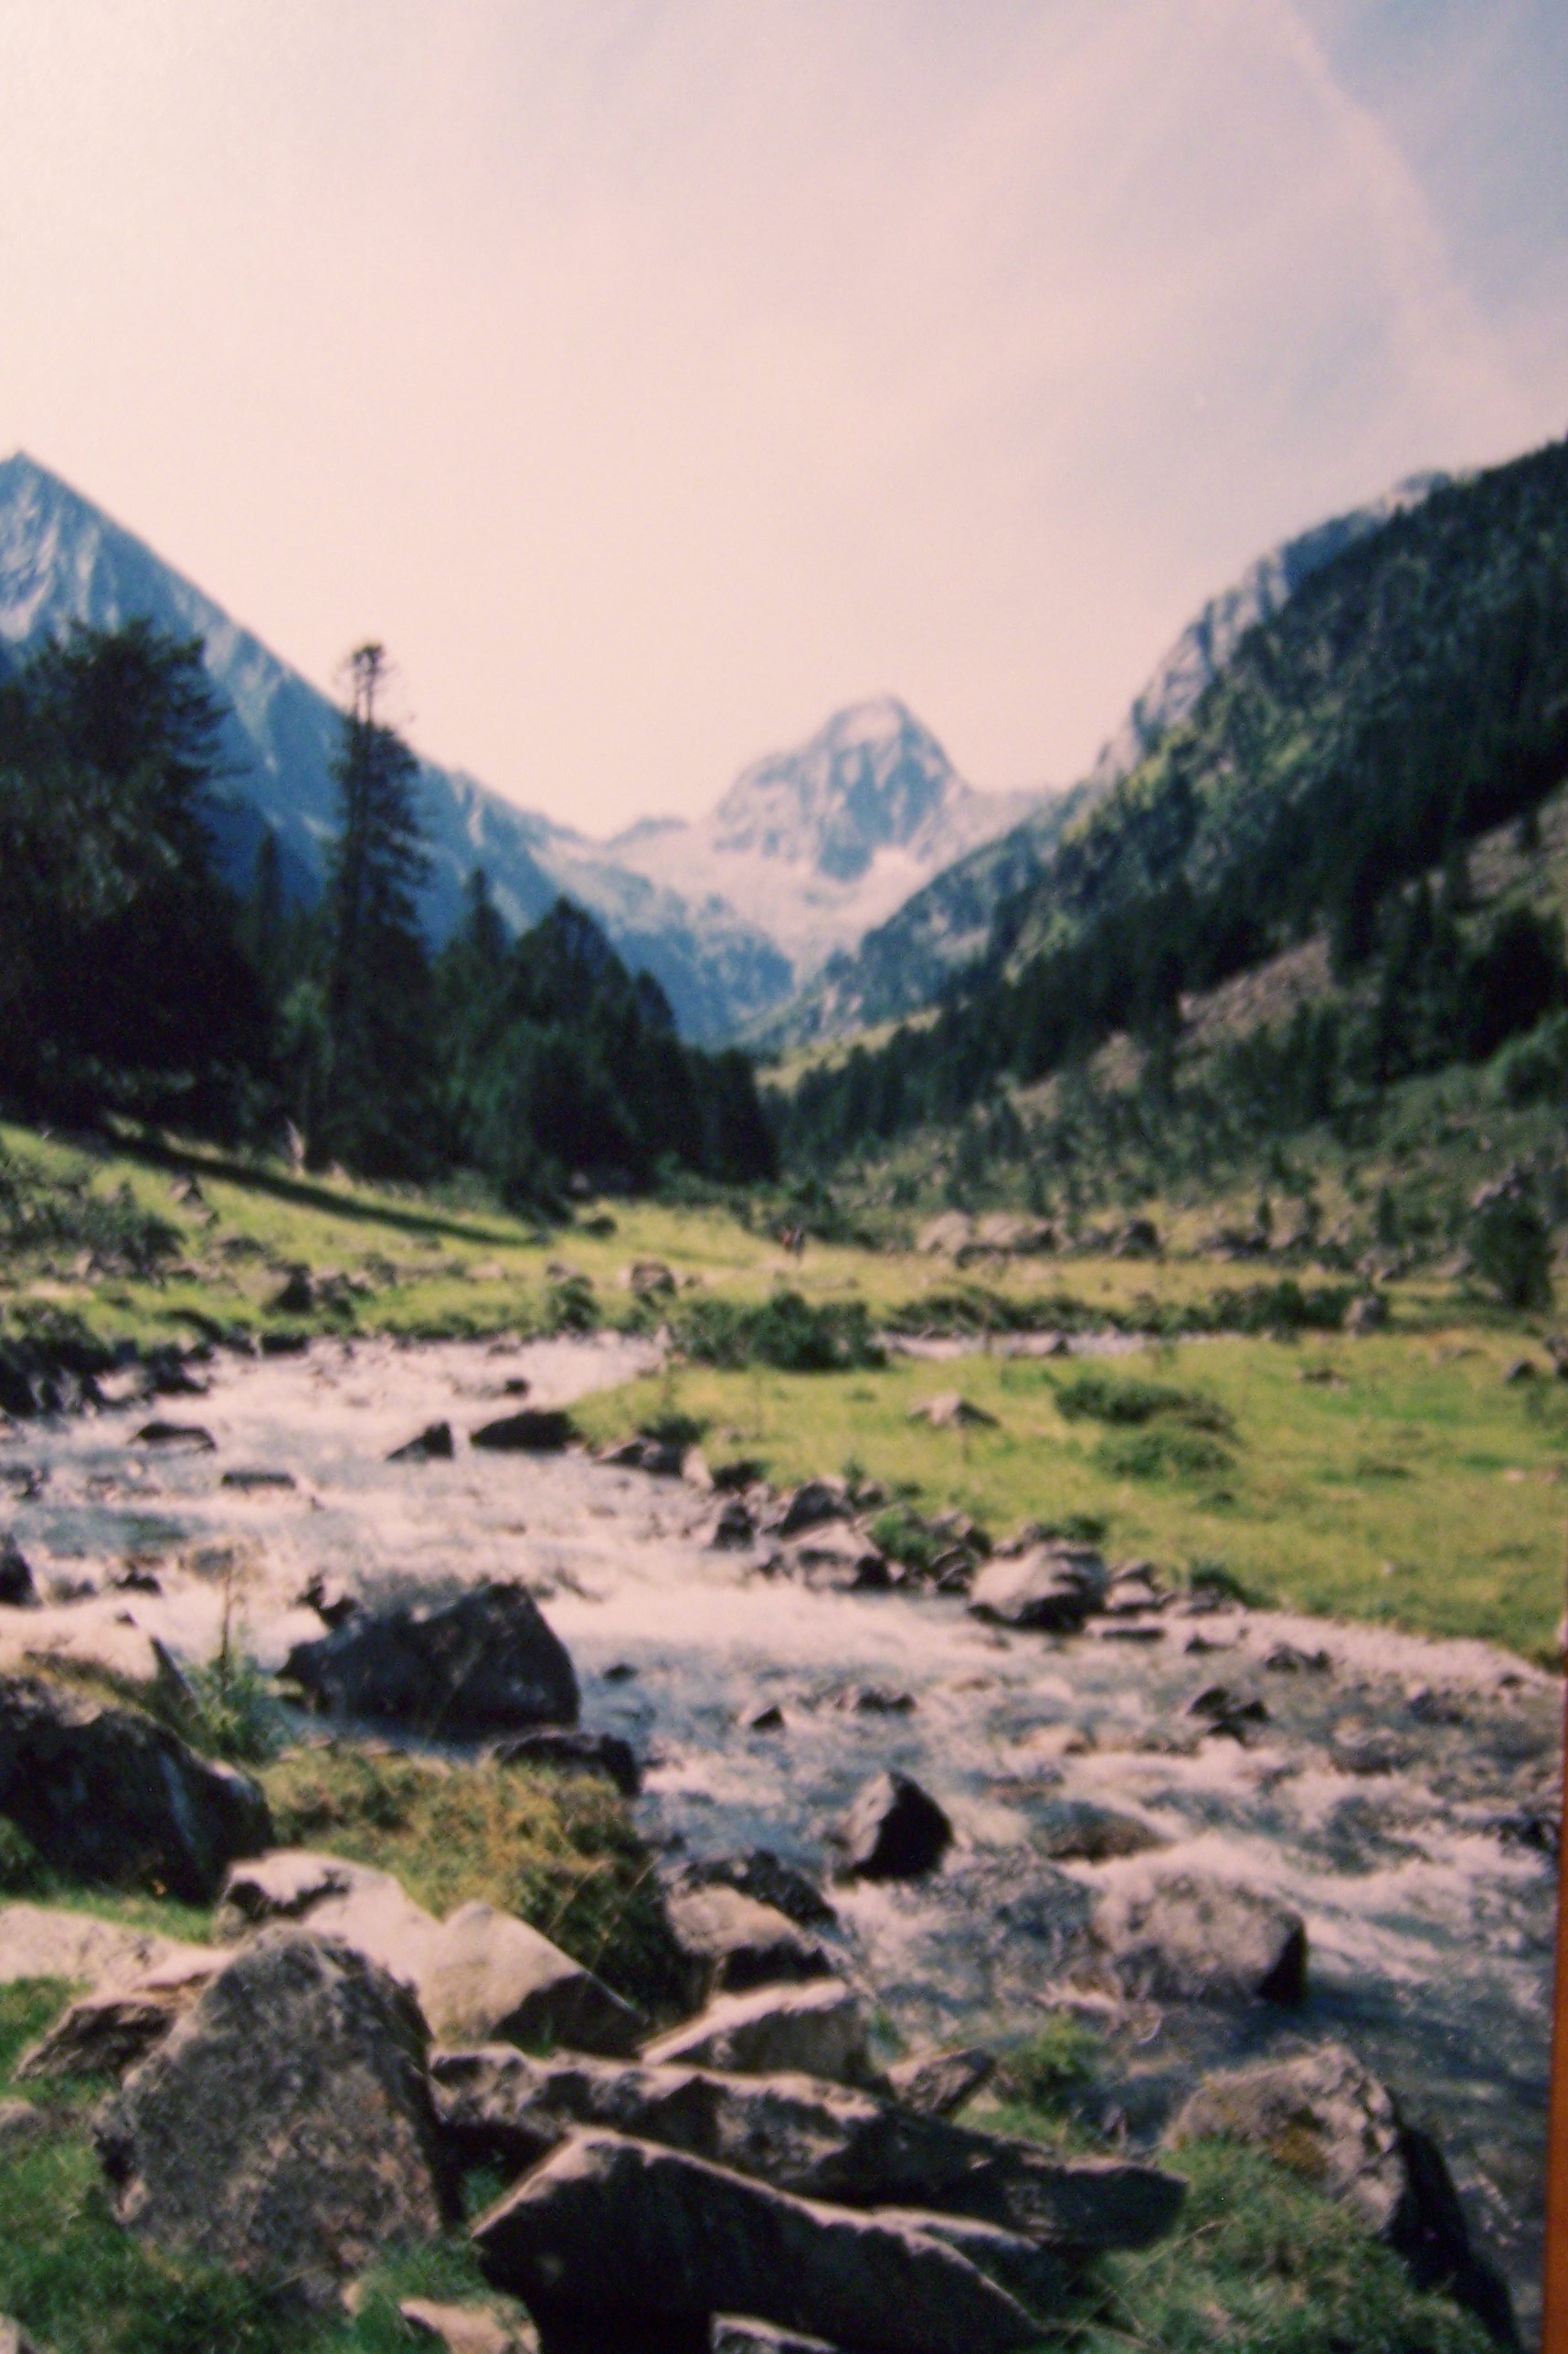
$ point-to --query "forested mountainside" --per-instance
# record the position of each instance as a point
(907, 962)
(1412, 694)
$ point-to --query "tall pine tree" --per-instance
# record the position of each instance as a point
(378, 1115)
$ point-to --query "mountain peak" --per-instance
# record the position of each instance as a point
(872, 778)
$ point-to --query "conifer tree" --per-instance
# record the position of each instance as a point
(377, 1111)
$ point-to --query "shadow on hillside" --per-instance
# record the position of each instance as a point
(305, 1195)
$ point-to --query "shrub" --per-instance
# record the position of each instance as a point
(785, 1331)
(1158, 1454)
(1132, 1401)
(674, 1429)
(1511, 1243)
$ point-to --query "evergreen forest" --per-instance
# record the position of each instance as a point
(136, 982)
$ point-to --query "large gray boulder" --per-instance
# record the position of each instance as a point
(610, 2235)
(796, 2133)
(106, 1793)
(1053, 1587)
(478, 1974)
(489, 1974)
(486, 1663)
(283, 2129)
(1323, 2114)
(815, 2029)
(1181, 1938)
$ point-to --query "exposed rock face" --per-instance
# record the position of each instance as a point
(106, 1794)
(576, 1751)
(816, 1501)
(1183, 1939)
(1326, 2116)
(732, 1943)
(894, 1831)
(817, 2030)
(799, 2134)
(1054, 1588)
(611, 2234)
(284, 2127)
(485, 1663)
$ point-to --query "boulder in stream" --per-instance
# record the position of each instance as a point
(617, 2241)
(483, 1664)
(895, 1830)
(17, 1591)
(1053, 1587)
(431, 1444)
(1186, 1939)
(283, 2129)
(106, 1793)
(537, 1430)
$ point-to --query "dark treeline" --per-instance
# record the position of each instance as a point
(1410, 697)
(133, 979)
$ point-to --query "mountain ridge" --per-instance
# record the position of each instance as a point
(904, 963)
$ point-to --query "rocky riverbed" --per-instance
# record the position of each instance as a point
(1400, 1796)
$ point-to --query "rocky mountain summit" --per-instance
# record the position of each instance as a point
(945, 923)
(819, 844)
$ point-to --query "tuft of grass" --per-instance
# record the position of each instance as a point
(1159, 1455)
(1262, 2263)
(560, 1851)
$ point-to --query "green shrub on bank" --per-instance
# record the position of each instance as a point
(787, 1332)
(559, 1850)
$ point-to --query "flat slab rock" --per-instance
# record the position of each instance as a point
(36, 1942)
(817, 2030)
(479, 1974)
(113, 2028)
(612, 2234)
(806, 2137)
(284, 2126)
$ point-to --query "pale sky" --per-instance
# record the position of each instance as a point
(654, 376)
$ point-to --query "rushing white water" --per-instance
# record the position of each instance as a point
(1429, 1910)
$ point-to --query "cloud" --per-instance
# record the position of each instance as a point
(654, 377)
